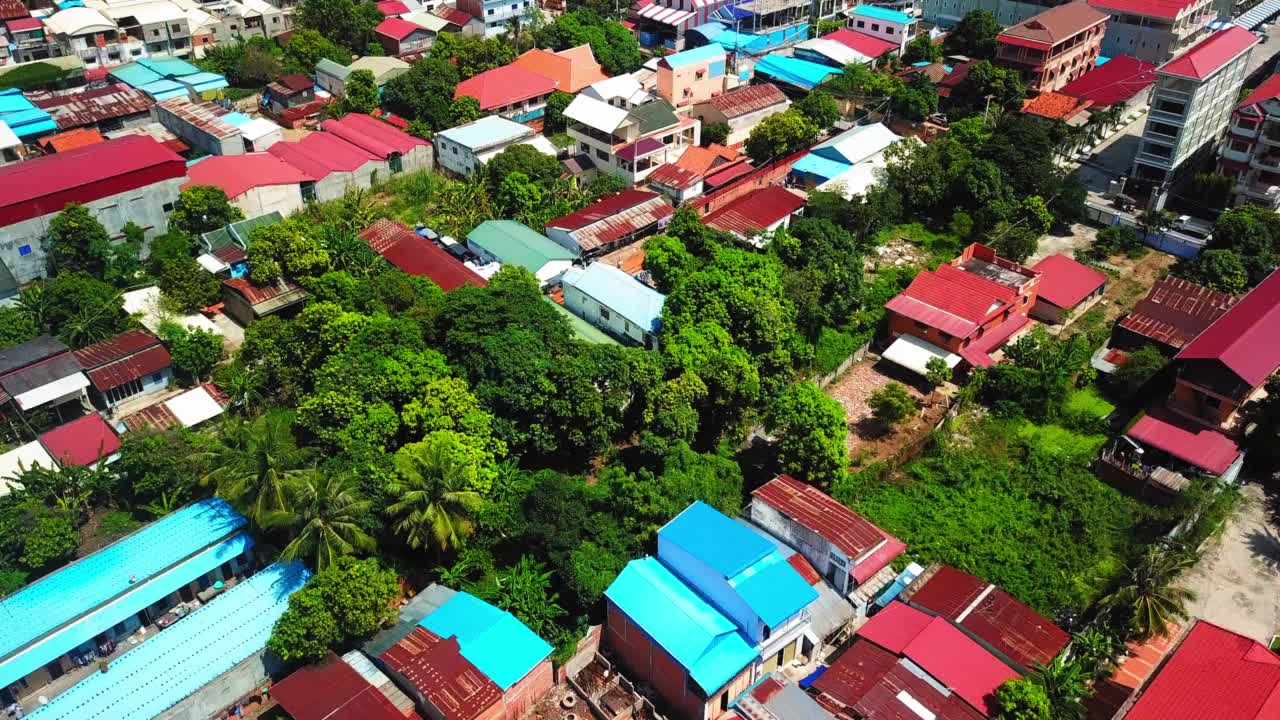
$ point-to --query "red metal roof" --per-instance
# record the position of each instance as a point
(1118, 80)
(72, 139)
(870, 680)
(377, 137)
(10, 9)
(1065, 282)
(1206, 449)
(82, 441)
(878, 559)
(23, 24)
(727, 174)
(393, 7)
(853, 534)
(872, 47)
(756, 210)
(802, 566)
(1246, 338)
(449, 681)
(418, 256)
(46, 184)
(1268, 90)
(1209, 55)
(296, 82)
(894, 627)
(951, 300)
(332, 690)
(1168, 9)
(673, 176)
(991, 614)
(128, 356)
(978, 353)
(397, 28)
(1175, 311)
(238, 174)
(256, 294)
(321, 153)
(453, 15)
(77, 108)
(748, 99)
(615, 217)
(1214, 674)
(504, 86)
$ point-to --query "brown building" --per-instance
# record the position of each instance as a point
(1055, 47)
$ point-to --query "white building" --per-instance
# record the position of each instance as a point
(615, 302)
(629, 142)
(880, 22)
(93, 37)
(465, 149)
(742, 108)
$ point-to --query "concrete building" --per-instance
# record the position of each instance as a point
(333, 166)
(205, 127)
(495, 14)
(1053, 48)
(1251, 151)
(332, 77)
(465, 149)
(509, 91)
(1191, 105)
(400, 37)
(125, 366)
(629, 143)
(894, 26)
(1067, 289)
(160, 25)
(257, 183)
(693, 76)
(1154, 30)
(742, 109)
(615, 302)
(93, 37)
(132, 179)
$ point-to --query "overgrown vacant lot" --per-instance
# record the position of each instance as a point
(1015, 503)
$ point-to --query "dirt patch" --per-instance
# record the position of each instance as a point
(1078, 237)
(898, 251)
(868, 441)
(1131, 281)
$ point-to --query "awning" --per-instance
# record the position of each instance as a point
(211, 263)
(194, 407)
(914, 354)
(52, 391)
(665, 15)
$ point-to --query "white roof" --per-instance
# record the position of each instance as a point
(193, 407)
(258, 128)
(841, 53)
(62, 387)
(7, 138)
(430, 21)
(860, 143)
(856, 179)
(211, 263)
(487, 132)
(145, 303)
(914, 354)
(23, 457)
(595, 114)
(541, 144)
(79, 21)
(622, 87)
(146, 13)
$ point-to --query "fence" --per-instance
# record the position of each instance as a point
(588, 647)
(1186, 248)
(825, 380)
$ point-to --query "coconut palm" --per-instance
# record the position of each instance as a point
(254, 464)
(244, 387)
(1096, 650)
(436, 502)
(1064, 683)
(1151, 592)
(36, 305)
(325, 520)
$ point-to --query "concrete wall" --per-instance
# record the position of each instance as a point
(420, 158)
(456, 158)
(588, 647)
(815, 548)
(233, 685)
(198, 138)
(692, 84)
(285, 199)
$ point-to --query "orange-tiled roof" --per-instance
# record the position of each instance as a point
(71, 139)
(1055, 106)
(571, 70)
(701, 160)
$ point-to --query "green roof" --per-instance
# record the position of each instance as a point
(654, 115)
(515, 244)
(332, 69)
(238, 233)
(584, 330)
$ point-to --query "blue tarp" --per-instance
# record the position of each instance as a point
(812, 677)
(498, 644)
(820, 168)
(801, 73)
(23, 117)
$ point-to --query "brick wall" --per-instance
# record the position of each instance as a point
(526, 693)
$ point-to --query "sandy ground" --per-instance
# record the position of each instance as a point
(867, 441)
(1237, 580)
(1079, 237)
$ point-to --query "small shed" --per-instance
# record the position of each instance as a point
(246, 302)
(1067, 289)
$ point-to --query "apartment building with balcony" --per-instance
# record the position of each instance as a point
(1251, 151)
(1055, 47)
(159, 25)
(1191, 104)
(1154, 30)
(25, 40)
(630, 142)
(495, 14)
(93, 37)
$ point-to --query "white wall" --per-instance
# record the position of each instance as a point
(284, 199)
(588, 308)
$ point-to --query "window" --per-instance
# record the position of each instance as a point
(167, 207)
(489, 11)
(861, 24)
(275, 21)
(921, 326)
(176, 28)
(394, 163)
(24, 250)
(602, 155)
(1212, 402)
(767, 632)
(308, 191)
(604, 313)
(888, 30)
(944, 335)
(875, 27)
(1171, 107)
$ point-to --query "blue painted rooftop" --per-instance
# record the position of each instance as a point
(800, 73)
(621, 293)
(166, 77)
(22, 116)
(58, 598)
(819, 167)
(493, 640)
(879, 13)
(705, 642)
(180, 660)
(486, 131)
(689, 57)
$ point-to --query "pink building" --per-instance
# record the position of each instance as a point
(693, 76)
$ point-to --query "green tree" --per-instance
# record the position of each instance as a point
(360, 92)
(1264, 414)
(1022, 699)
(435, 489)
(985, 79)
(1138, 369)
(307, 47)
(922, 49)
(557, 102)
(519, 197)
(715, 133)
(535, 165)
(254, 463)
(186, 287)
(286, 249)
(15, 327)
(1253, 233)
(1114, 240)
(615, 48)
(346, 602)
(325, 526)
(78, 242)
(79, 309)
(524, 590)
(779, 134)
(194, 351)
(937, 372)
(1155, 222)
(819, 107)
(1149, 595)
(157, 463)
(975, 35)
(341, 21)
(916, 100)
(810, 429)
(203, 208)
(891, 404)
(1065, 686)
(425, 93)
(465, 109)
(1221, 270)
(50, 541)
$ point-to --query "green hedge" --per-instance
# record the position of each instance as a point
(34, 76)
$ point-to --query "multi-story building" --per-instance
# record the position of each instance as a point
(495, 14)
(509, 91)
(879, 22)
(93, 37)
(1154, 30)
(1054, 47)
(465, 149)
(1251, 151)
(693, 76)
(630, 142)
(160, 25)
(1194, 96)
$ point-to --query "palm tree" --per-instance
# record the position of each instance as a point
(1150, 592)
(35, 304)
(1096, 650)
(436, 502)
(255, 464)
(244, 387)
(1065, 685)
(326, 515)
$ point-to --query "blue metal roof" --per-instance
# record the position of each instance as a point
(58, 598)
(22, 116)
(185, 657)
(87, 628)
(493, 640)
(773, 589)
(819, 167)
(705, 643)
(710, 30)
(715, 540)
(800, 73)
(621, 293)
(733, 40)
(698, 54)
(880, 13)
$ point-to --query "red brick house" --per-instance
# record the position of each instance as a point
(1055, 47)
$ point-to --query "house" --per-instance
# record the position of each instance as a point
(257, 183)
(392, 8)
(571, 69)
(91, 36)
(1057, 106)
(123, 587)
(1067, 289)
(847, 162)
(1154, 30)
(27, 41)
(465, 149)
(1192, 103)
(417, 256)
(842, 546)
(342, 688)
(333, 167)
(883, 23)
(111, 107)
(751, 217)
(210, 658)
(1123, 79)
(332, 77)
(400, 37)
(459, 21)
(622, 91)
(1161, 451)
(163, 27)
(1011, 631)
(509, 91)
(401, 151)
(86, 441)
(796, 75)
(247, 302)
(776, 698)
(186, 409)
(692, 76)
(742, 109)
(257, 133)
(1246, 154)
(509, 242)
(205, 126)
(610, 222)
(495, 14)
(717, 609)
(615, 302)
(863, 44)
(1212, 667)
(290, 100)
(1172, 314)
(164, 78)
(678, 183)
(125, 366)
(904, 663)
(40, 373)
(466, 659)
(1054, 47)
(629, 142)
(965, 310)
(666, 24)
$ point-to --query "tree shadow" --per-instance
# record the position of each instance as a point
(1264, 544)
(869, 428)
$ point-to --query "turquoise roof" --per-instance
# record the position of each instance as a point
(22, 116)
(733, 40)
(516, 244)
(185, 657)
(705, 642)
(166, 77)
(235, 119)
(62, 596)
(696, 55)
(493, 640)
(801, 73)
(621, 293)
(879, 13)
(819, 167)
